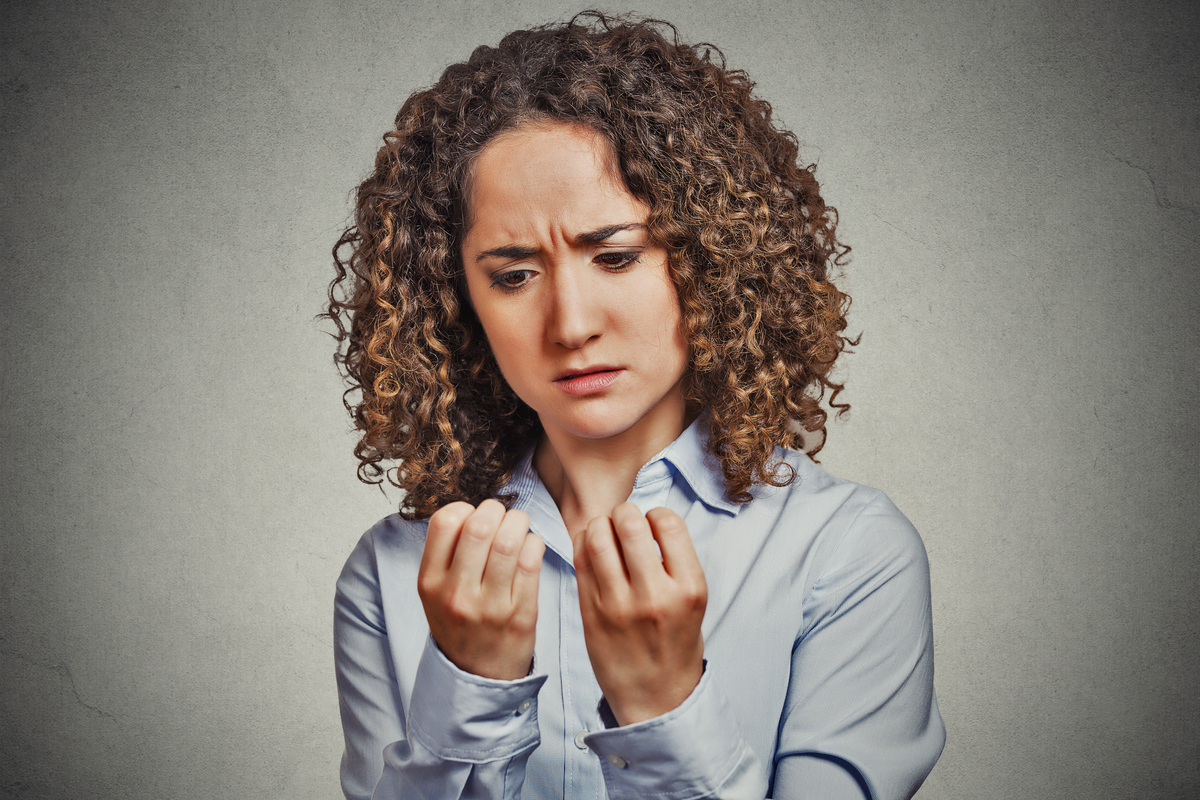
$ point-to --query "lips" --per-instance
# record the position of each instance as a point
(589, 380)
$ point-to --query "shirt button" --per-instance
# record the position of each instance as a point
(582, 745)
(617, 761)
(525, 706)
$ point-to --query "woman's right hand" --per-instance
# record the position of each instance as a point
(478, 583)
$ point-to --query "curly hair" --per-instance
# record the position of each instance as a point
(750, 242)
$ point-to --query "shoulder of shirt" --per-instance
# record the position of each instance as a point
(391, 537)
(867, 519)
(811, 479)
(847, 504)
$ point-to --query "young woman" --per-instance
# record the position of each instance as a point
(586, 302)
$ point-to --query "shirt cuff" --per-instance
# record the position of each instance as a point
(692, 751)
(463, 717)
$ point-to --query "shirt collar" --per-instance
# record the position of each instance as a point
(688, 457)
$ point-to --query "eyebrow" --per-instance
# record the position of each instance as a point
(599, 235)
(590, 237)
(512, 251)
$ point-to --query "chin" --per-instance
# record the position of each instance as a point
(593, 426)
(596, 430)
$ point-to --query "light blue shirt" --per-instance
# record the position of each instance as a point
(817, 639)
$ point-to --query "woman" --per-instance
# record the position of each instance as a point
(586, 300)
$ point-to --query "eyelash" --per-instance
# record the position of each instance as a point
(498, 280)
(625, 260)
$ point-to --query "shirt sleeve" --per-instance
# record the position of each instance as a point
(456, 736)
(693, 751)
(860, 719)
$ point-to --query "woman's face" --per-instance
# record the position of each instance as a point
(577, 305)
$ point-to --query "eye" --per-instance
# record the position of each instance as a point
(511, 280)
(617, 261)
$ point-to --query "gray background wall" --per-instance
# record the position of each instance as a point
(1020, 182)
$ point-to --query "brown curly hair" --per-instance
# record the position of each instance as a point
(750, 242)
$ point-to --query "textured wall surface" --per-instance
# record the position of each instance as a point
(1020, 182)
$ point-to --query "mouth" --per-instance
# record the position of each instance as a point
(588, 380)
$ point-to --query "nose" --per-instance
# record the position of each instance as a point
(576, 316)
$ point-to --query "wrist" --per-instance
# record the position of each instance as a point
(501, 667)
(461, 716)
(650, 701)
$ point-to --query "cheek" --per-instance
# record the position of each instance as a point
(510, 346)
(680, 346)
(661, 321)
(668, 312)
(495, 327)
(505, 348)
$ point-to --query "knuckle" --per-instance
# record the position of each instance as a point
(460, 608)
(530, 563)
(524, 620)
(428, 586)
(505, 546)
(477, 529)
(453, 511)
(624, 511)
(666, 520)
(627, 514)
(690, 584)
(631, 527)
(696, 597)
(447, 520)
(598, 545)
(596, 526)
(657, 610)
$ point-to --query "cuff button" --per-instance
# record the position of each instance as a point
(525, 706)
(617, 761)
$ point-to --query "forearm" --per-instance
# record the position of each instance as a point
(697, 752)
(462, 737)
(415, 725)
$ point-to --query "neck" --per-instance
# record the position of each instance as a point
(588, 478)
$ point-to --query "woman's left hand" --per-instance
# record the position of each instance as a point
(641, 612)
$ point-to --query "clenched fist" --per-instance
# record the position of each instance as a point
(478, 583)
(641, 612)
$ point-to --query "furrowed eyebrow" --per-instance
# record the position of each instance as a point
(599, 235)
(590, 237)
(512, 251)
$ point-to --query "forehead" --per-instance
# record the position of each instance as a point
(548, 174)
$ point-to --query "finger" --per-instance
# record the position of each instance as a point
(678, 554)
(583, 566)
(502, 557)
(441, 535)
(604, 558)
(475, 542)
(642, 560)
(529, 567)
